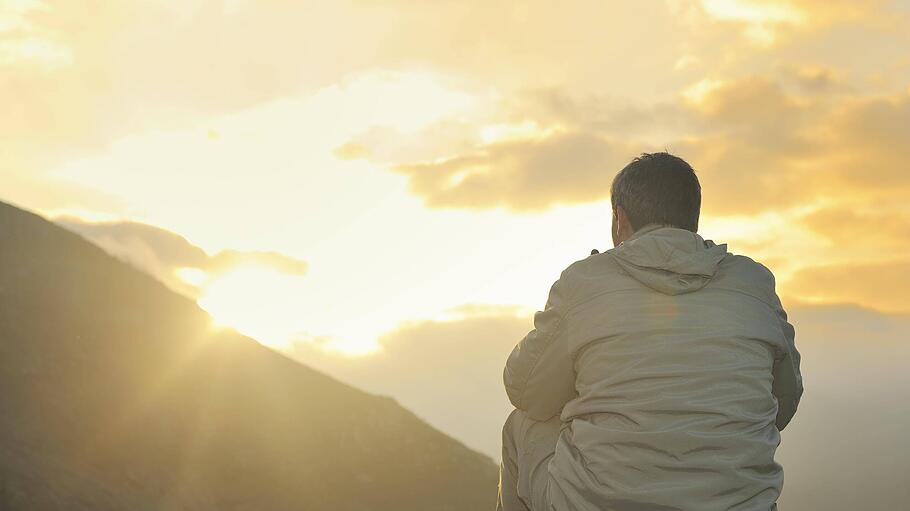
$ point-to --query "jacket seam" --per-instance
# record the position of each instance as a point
(762, 300)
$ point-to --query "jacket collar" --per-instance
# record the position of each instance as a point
(644, 230)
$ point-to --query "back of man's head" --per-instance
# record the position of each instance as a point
(658, 188)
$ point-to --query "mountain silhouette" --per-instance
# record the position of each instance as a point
(117, 393)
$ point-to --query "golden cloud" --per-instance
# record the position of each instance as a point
(757, 144)
(523, 175)
(869, 141)
(763, 22)
(879, 285)
(887, 228)
(816, 80)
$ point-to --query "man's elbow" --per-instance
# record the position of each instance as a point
(786, 409)
(542, 413)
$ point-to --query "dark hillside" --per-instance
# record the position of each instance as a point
(115, 393)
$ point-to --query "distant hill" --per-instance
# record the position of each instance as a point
(115, 393)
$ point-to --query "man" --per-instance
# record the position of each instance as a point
(660, 372)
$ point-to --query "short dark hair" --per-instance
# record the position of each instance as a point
(658, 188)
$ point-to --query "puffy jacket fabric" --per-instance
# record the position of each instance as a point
(673, 368)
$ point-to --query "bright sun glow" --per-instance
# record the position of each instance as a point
(193, 276)
(257, 301)
(265, 304)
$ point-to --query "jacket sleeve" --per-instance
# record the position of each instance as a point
(788, 382)
(540, 375)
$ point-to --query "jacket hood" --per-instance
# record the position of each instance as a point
(668, 259)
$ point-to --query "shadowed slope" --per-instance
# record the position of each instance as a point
(117, 394)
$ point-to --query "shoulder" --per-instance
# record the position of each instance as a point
(750, 267)
(748, 275)
(592, 266)
(590, 275)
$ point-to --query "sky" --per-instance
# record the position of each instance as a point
(386, 190)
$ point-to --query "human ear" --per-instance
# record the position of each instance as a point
(620, 218)
(615, 223)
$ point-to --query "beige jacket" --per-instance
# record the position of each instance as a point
(673, 367)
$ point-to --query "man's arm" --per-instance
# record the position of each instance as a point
(788, 382)
(540, 375)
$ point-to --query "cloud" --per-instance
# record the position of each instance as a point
(39, 192)
(226, 259)
(869, 144)
(352, 151)
(847, 225)
(733, 134)
(163, 253)
(25, 43)
(76, 79)
(758, 143)
(764, 23)
(523, 175)
(816, 80)
(770, 148)
(880, 285)
(750, 145)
